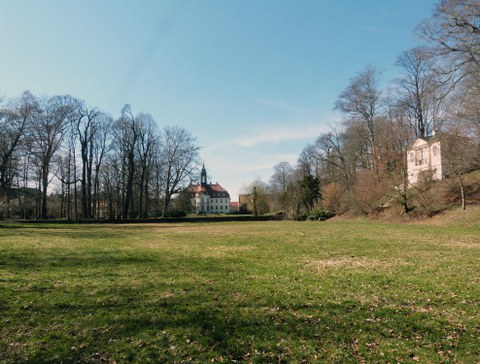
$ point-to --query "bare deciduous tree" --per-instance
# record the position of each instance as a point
(46, 136)
(309, 161)
(14, 120)
(336, 164)
(255, 198)
(126, 134)
(100, 148)
(454, 31)
(419, 90)
(361, 100)
(281, 175)
(459, 156)
(86, 127)
(147, 147)
(179, 156)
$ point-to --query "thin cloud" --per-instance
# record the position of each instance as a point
(233, 173)
(278, 104)
(141, 60)
(272, 135)
(267, 164)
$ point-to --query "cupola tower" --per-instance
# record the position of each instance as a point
(203, 176)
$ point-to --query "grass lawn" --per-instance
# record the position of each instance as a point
(260, 292)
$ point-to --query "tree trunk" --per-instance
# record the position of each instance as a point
(44, 210)
(129, 192)
(166, 202)
(141, 193)
(75, 193)
(89, 181)
(96, 200)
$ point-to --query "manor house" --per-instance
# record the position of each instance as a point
(209, 198)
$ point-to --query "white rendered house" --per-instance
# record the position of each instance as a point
(425, 155)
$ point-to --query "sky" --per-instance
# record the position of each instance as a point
(254, 81)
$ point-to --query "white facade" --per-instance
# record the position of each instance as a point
(424, 155)
(209, 198)
(204, 203)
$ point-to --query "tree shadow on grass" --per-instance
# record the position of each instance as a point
(158, 318)
(30, 261)
(194, 327)
(190, 329)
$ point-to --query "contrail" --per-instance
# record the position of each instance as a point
(161, 32)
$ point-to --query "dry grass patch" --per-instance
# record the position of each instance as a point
(466, 242)
(351, 262)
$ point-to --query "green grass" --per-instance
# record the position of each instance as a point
(260, 292)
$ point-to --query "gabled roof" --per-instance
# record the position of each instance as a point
(213, 190)
(424, 141)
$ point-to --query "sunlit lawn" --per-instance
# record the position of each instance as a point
(261, 292)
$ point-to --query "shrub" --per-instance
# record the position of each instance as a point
(314, 215)
(426, 194)
(176, 213)
(334, 198)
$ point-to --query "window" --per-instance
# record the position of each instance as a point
(412, 157)
(419, 157)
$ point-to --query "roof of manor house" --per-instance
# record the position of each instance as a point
(213, 190)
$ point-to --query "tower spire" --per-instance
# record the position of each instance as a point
(203, 176)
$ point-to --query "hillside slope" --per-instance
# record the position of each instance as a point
(455, 217)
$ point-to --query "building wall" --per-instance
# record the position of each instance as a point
(220, 205)
(202, 201)
(424, 156)
(207, 204)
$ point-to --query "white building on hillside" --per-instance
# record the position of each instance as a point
(425, 155)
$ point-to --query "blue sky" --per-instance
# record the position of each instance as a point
(253, 80)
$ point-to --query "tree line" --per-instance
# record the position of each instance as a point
(359, 165)
(61, 158)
